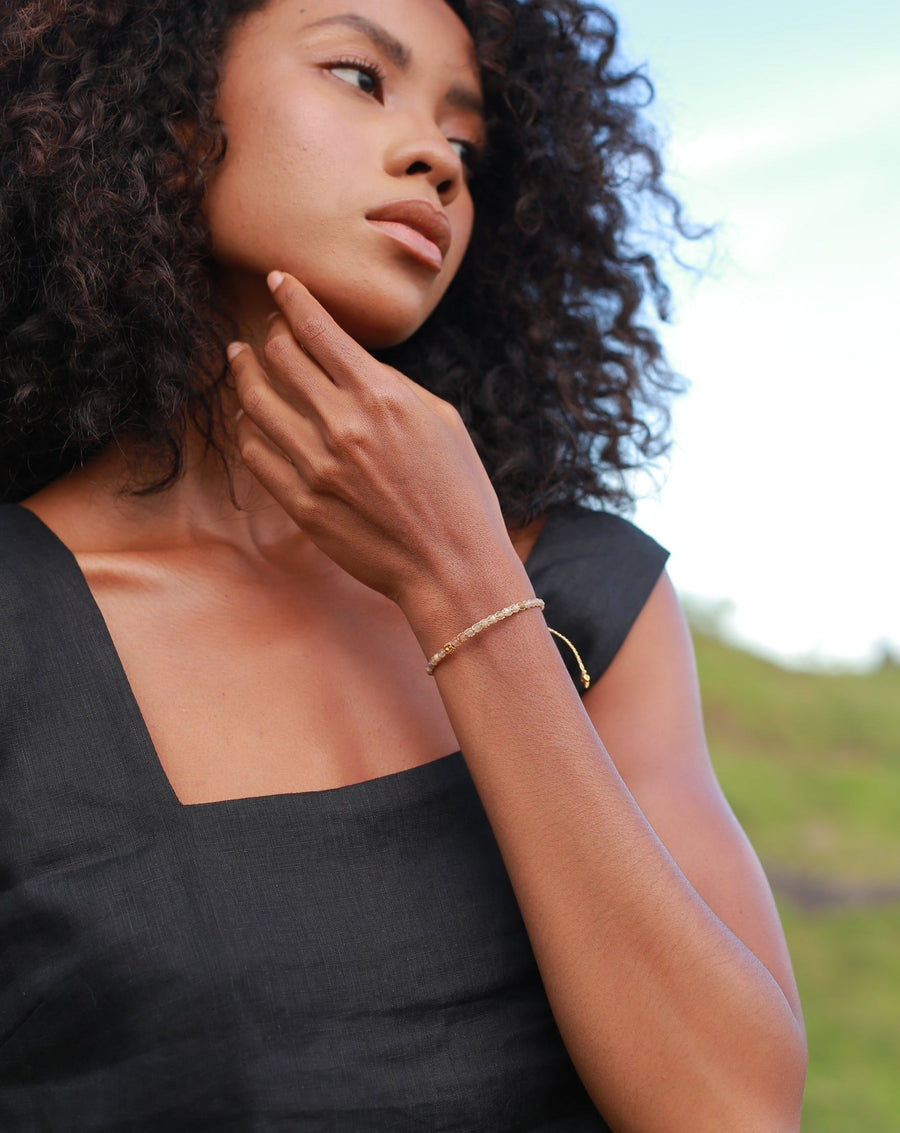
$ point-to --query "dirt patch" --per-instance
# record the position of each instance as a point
(813, 893)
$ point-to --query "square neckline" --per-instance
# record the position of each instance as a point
(151, 764)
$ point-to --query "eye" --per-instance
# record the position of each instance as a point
(365, 76)
(469, 154)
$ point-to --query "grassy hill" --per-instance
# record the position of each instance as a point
(811, 765)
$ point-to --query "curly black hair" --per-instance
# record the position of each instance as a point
(109, 328)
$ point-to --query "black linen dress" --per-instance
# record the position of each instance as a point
(341, 961)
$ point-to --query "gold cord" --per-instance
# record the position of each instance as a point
(585, 675)
(501, 615)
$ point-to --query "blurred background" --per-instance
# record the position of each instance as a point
(782, 128)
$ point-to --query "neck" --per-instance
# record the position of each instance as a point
(215, 498)
(95, 508)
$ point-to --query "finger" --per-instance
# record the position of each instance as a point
(270, 467)
(296, 375)
(295, 435)
(339, 355)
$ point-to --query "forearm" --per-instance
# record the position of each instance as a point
(648, 987)
(670, 1020)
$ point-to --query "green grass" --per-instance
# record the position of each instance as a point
(848, 970)
(811, 765)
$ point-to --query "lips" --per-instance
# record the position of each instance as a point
(421, 229)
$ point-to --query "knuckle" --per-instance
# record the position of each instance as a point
(277, 351)
(316, 479)
(348, 436)
(252, 449)
(253, 400)
(451, 415)
(311, 327)
(310, 510)
(321, 475)
(387, 401)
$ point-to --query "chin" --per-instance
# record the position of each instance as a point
(378, 325)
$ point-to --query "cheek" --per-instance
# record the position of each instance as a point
(280, 158)
(268, 196)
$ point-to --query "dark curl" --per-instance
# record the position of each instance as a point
(109, 330)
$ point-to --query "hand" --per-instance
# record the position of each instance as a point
(381, 474)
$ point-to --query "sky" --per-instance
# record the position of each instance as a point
(782, 127)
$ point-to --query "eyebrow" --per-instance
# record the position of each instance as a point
(458, 96)
(397, 52)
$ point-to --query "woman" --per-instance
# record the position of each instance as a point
(244, 885)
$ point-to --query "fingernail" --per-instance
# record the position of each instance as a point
(233, 350)
(271, 318)
(275, 280)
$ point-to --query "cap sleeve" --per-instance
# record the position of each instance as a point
(594, 571)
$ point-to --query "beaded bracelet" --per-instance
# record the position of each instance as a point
(506, 612)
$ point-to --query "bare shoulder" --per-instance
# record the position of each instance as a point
(649, 697)
(647, 711)
(83, 508)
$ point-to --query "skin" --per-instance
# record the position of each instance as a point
(368, 535)
(289, 197)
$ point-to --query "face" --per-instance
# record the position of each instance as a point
(352, 126)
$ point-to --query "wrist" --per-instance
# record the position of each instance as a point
(444, 606)
(478, 627)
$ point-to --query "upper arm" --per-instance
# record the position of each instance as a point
(646, 709)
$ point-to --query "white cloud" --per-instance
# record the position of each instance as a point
(790, 123)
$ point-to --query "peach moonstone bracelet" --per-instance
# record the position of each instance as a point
(507, 612)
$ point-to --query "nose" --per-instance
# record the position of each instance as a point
(423, 151)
